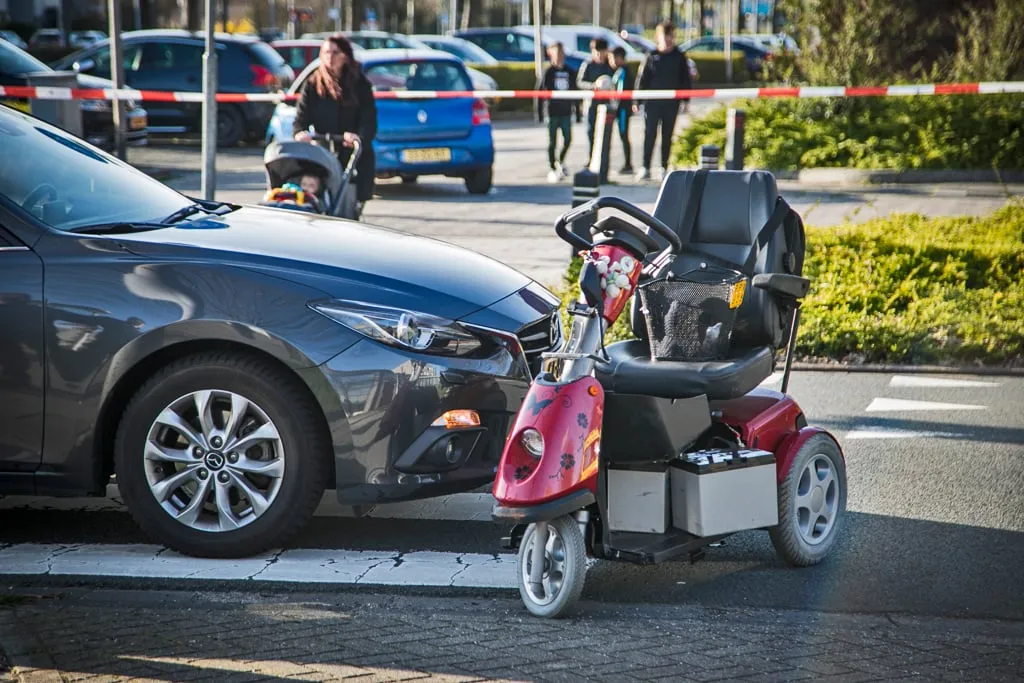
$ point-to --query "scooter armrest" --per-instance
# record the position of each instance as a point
(783, 285)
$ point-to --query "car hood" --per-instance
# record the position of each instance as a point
(344, 259)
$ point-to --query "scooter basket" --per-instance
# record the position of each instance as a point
(691, 317)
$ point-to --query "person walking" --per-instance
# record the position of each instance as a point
(558, 77)
(623, 108)
(588, 79)
(665, 69)
(338, 99)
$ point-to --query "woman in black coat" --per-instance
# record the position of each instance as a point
(338, 99)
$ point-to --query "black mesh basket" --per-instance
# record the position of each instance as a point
(690, 317)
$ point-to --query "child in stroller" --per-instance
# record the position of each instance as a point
(308, 177)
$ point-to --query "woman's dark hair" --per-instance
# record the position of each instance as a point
(343, 86)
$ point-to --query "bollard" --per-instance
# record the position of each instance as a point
(66, 114)
(709, 157)
(600, 159)
(734, 140)
(586, 185)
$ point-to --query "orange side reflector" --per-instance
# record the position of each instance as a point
(738, 290)
(455, 419)
(592, 390)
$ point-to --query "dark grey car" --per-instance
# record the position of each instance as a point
(229, 363)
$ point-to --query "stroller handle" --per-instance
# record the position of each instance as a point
(331, 138)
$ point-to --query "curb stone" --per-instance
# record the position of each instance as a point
(804, 366)
(860, 177)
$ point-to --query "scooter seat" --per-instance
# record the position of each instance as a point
(631, 371)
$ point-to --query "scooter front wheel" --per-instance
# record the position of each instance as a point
(556, 586)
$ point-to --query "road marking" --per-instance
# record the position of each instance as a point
(869, 432)
(914, 381)
(369, 568)
(460, 507)
(902, 405)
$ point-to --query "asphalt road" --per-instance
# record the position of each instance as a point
(935, 523)
(523, 206)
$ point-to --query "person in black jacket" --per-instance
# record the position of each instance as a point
(338, 99)
(559, 77)
(665, 69)
(588, 77)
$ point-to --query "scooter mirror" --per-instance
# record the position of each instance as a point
(590, 285)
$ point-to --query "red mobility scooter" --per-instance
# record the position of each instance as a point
(654, 448)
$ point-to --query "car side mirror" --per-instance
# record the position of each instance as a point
(84, 65)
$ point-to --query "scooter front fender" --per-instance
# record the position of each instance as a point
(569, 417)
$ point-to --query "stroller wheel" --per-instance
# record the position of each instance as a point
(564, 568)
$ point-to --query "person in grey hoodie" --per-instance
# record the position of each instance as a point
(665, 69)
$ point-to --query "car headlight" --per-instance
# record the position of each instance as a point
(95, 105)
(405, 329)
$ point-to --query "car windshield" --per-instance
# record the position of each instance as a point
(17, 62)
(424, 74)
(68, 184)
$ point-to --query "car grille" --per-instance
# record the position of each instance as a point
(540, 336)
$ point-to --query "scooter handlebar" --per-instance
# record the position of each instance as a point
(594, 205)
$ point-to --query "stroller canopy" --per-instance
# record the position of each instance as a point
(285, 160)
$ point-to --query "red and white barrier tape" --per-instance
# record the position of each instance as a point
(991, 88)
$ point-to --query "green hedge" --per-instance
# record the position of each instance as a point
(945, 132)
(909, 289)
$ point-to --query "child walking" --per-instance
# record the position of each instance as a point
(558, 77)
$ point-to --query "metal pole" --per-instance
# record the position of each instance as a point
(538, 39)
(117, 75)
(453, 16)
(209, 177)
(291, 19)
(689, 20)
(729, 16)
(273, 14)
(137, 14)
(337, 16)
(410, 16)
(597, 12)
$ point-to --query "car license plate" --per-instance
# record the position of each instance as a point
(421, 156)
(137, 122)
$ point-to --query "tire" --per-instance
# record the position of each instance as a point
(230, 126)
(565, 538)
(796, 539)
(480, 181)
(242, 512)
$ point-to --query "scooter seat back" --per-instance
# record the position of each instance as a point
(733, 208)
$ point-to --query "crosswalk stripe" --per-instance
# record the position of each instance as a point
(916, 381)
(869, 432)
(900, 405)
(362, 567)
(463, 507)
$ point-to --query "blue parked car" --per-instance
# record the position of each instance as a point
(416, 137)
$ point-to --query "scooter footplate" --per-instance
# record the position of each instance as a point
(641, 548)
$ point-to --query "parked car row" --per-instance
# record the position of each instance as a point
(16, 66)
(172, 60)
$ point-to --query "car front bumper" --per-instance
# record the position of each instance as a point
(380, 405)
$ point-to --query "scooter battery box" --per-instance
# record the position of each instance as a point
(638, 499)
(721, 491)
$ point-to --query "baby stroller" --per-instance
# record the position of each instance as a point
(287, 162)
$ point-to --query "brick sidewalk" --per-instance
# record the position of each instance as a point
(110, 635)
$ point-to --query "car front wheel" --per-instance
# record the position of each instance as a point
(221, 455)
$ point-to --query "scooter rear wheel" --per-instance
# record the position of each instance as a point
(565, 568)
